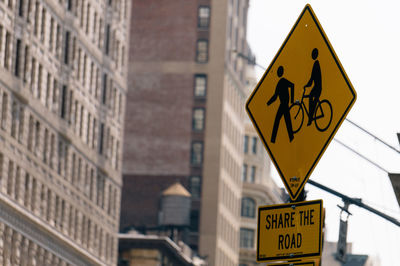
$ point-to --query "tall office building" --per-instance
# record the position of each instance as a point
(62, 96)
(258, 190)
(258, 187)
(184, 118)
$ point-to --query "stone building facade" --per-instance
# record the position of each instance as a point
(62, 99)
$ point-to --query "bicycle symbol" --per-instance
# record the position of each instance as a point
(322, 114)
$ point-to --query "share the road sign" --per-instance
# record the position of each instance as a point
(301, 101)
(289, 231)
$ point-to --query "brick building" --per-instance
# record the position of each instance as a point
(185, 118)
(62, 96)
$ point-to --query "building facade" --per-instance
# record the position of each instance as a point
(185, 116)
(62, 97)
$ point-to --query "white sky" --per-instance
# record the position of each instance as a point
(365, 35)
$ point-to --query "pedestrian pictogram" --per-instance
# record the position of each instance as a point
(289, 231)
(301, 101)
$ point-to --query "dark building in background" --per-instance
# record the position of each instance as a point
(185, 118)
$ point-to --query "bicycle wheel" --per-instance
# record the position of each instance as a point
(323, 115)
(297, 116)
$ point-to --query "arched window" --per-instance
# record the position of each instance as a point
(248, 207)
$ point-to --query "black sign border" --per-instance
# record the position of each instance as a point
(307, 176)
(289, 205)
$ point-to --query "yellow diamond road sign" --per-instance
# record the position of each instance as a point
(300, 102)
(289, 231)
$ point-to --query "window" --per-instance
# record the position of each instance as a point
(1, 167)
(100, 33)
(204, 17)
(48, 87)
(27, 181)
(60, 157)
(26, 59)
(33, 194)
(28, 11)
(81, 13)
(21, 8)
(69, 5)
(194, 220)
(195, 186)
(94, 133)
(88, 128)
(248, 208)
(36, 19)
(43, 25)
(246, 144)
(84, 69)
(122, 56)
(246, 238)
(70, 106)
(104, 92)
(7, 51)
(253, 174)
(82, 114)
(17, 58)
(202, 51)
(244, 173)
(198, 119)
(55, 95)
(66, 51)
(14, 119)
(100, 191)
(18, 183)
(117, 156)
(196, 157)
(39, 82)
(46, 144)
(107, 40)
(58, 39)
(52, 152)
(51, 37)
(101, 136)
(91, 75)
(94, 24)
(30, 133)
(1, 37)
(21, 124)
(63, 100)
(109, 205)
(37, 137)
(200, 85)
(4, 111)
(254, 145)
(73, 169)
(87, 18)
(10, 177)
